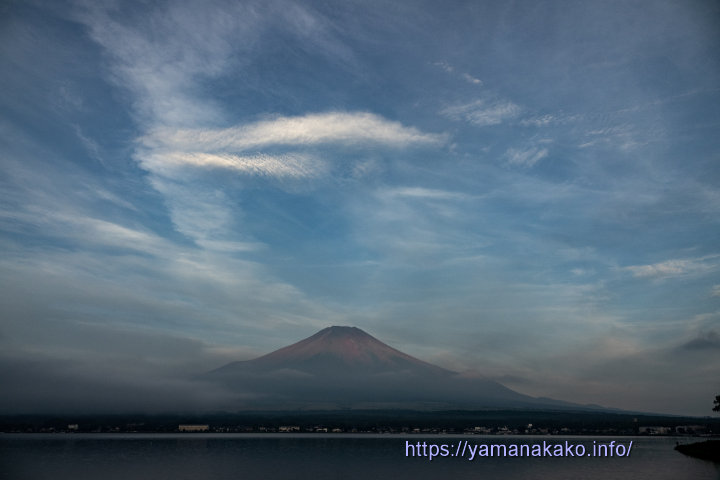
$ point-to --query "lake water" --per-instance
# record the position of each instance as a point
(317, 456)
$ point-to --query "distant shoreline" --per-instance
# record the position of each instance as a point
(500, 422)
(207, 435)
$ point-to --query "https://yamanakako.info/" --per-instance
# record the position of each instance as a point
(472, 451)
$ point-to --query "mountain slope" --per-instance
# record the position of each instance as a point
(344, 367)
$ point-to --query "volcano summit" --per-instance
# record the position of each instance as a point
(344, 367)
(338, 351)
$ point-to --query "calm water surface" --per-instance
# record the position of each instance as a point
(337, 456)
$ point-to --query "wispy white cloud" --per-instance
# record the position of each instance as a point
(401, 225)
(426, 193)
(348, 128)
(715, 291)
(483, 112)
(205, 215)
(445, 66)
(676, 267)
(526, 157)
(278, 166)
(162, 61)
(66, 206)
(160, 56)
(615, 130)
(539, 121)
(465, 76)
(470, 79)
(180, 287)
(172, 154)
(89, 232)
(90, 145)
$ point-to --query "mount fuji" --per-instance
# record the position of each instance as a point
(344, 367)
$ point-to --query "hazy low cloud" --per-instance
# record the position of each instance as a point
(709, 340)
(616, 372)
(45, 385)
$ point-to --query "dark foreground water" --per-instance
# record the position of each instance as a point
(337, 456)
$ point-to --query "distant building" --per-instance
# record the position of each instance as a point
(73, 427)
(691, 429)
(289, 428)
(194, 428)
(481, 430)
(655, 430)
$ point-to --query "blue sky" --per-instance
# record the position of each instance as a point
(528, 190)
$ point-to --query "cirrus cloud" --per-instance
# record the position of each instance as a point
(348, 128)
(675, 267)
(525, 157)
(483, 113)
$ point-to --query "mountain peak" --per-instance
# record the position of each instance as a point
(341, 330)
(349, 335)
(340, 350)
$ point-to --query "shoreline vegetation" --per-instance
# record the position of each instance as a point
(500, 422)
